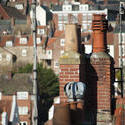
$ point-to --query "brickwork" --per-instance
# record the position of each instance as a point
(68, 73)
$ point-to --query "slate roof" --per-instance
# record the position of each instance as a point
(19, 82)
(13, 12)
(117, 28)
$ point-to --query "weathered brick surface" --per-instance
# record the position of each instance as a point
(99, 90)
(69, 73)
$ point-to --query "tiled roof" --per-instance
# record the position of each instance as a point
(19, 82)
(16, 40)
(58, 33)
(51, 42)
(4, 39)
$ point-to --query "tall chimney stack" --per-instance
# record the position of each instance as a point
(71, 68)
(100, 67)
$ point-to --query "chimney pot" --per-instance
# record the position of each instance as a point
(99, 27)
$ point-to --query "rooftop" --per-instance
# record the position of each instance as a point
(19, 82)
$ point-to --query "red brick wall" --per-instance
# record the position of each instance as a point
(27, 103)
(69, 73)
(99, 74)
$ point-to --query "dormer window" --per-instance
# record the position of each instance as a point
(23, 40)
(41, 31)
(67, 7)
(9, 43)
(38, 40)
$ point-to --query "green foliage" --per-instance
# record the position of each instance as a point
(25, 69)
(118, 75)
(48, 88)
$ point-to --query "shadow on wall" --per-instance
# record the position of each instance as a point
(49, 15)
(91, 94)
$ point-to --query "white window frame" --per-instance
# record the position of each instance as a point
(60, 18)
(22, 95)
(60, 26)
(65, 16)
(8, 57)
(61, 52)
(67, 7)
(84, 27)
(23, 110)
(23, 40)
(38, 40)
(9, 43)
(56, 64)
(41, 31)
(19, 6)
(24, 52)
(62, 42)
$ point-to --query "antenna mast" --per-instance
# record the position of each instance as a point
(34, 27)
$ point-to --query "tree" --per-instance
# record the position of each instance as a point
(48, 88)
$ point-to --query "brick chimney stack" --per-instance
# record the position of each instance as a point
(99, 27)
(100, 67)
(71, 67)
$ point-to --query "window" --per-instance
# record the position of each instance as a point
(23, 123)
(65, 18)
(24, 52)
(84, 27)
(67, 7)
(123, 50)
(83, 7)
(22, 95)
(8, 57)
(0, 57)
(56, 64)
(49, 54)
(38, 40)
(122, 38)
(23, 110)
(74, 18)
(19, 6)
(23, 40)
(60, 18)
(60, 27)
(89, 17)
(9, 43)
(84, 17)
(41, 31)
(61, 52)
(62, 42)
